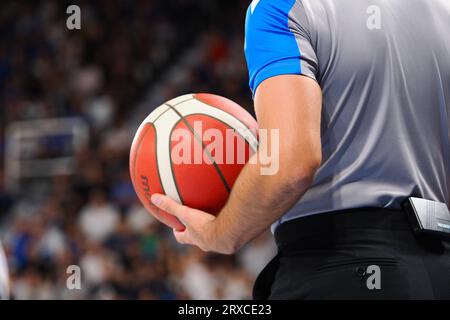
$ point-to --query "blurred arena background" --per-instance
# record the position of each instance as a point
(70, 102)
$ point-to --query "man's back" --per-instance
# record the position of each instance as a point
(384, 68)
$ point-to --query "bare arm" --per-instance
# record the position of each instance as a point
(292, 104)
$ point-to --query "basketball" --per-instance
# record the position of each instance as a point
(192, 149)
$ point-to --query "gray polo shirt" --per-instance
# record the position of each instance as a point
(384, 69)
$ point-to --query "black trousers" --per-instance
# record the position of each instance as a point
(356, 254)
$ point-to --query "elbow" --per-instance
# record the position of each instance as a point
(305, 173)
(299, 173)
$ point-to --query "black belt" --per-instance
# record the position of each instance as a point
(326, 228)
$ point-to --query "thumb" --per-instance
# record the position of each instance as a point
(170, 206)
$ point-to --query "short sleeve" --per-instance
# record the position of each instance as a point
(277, 41)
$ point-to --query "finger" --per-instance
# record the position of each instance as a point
(171, 206)
(154, 209)
(180, 236)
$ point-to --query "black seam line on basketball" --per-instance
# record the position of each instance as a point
(171, 163)
(219, 172)
(223, 111)
(165, 104)
(180, 102)
(243, 137)
(159, 116)
(199, 140)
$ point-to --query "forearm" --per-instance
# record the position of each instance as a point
(256, 201)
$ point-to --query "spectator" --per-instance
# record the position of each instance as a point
(98, 219)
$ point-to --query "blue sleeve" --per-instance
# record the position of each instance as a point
(271, 47)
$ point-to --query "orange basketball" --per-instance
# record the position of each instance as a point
(192, 148)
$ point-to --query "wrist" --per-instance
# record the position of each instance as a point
(221, 237)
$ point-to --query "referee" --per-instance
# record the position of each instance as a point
(360, 93)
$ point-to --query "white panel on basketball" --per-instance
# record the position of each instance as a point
(163, 126)
(180, 99)
(195, 106)
(151, 118)
(156, 113)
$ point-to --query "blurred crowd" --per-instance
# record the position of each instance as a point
(101, 74)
